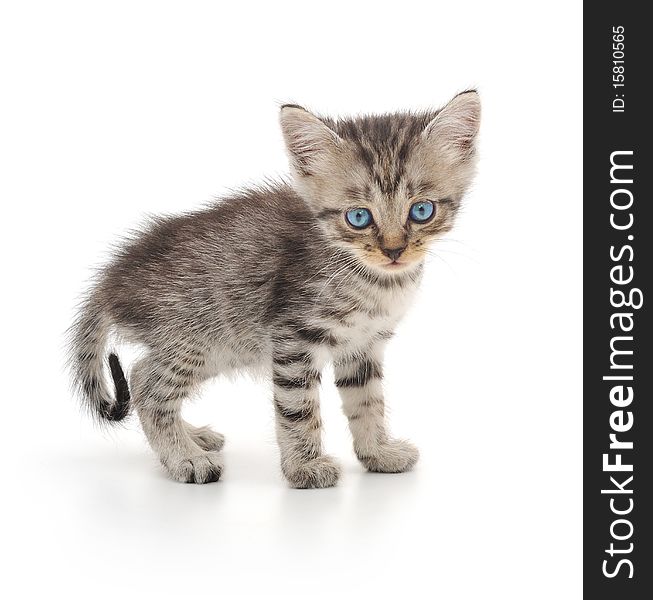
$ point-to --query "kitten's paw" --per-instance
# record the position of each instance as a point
(320, 472)
(202, 468)
(395, 456)
(206, 438)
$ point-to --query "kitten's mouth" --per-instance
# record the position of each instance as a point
(391, 266)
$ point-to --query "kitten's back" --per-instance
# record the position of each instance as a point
(225, 258)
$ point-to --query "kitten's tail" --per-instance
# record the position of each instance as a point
(88, 341)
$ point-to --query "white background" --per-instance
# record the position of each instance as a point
(113, 110)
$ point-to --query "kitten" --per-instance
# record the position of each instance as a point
(284, 278)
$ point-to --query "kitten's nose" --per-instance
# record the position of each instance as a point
(393, 253)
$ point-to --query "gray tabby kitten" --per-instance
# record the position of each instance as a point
(283, 279)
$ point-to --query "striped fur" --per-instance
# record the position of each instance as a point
(273, 280)
(359, 381)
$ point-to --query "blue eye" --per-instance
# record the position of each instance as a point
(358, 218)
(420, 212)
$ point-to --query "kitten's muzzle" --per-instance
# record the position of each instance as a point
(393, 253)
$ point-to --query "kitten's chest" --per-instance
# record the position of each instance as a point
(375, 317)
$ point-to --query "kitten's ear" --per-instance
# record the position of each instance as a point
(309, 141)
(455, 127)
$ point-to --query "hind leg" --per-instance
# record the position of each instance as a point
(206, 438)
(159, 388)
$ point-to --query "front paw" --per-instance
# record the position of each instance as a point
(320, 472)
(393, 456)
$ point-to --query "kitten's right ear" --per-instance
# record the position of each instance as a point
(310, 143)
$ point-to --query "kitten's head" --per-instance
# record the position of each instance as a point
(383, 187)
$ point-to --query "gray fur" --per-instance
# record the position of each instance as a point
(274, 280)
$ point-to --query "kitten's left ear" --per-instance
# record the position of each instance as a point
(455, 127)
(309, 141)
